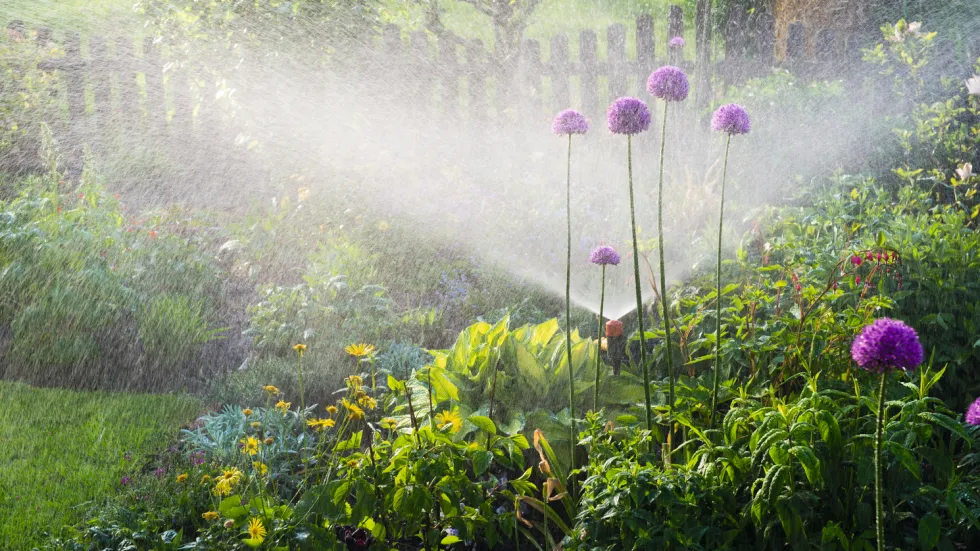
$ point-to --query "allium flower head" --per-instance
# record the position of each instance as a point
(569, 122)
(604, 255)
(887, 344)
(676, 42)
(668, 83)
(628, 116)
(731, 118)
(973, 413)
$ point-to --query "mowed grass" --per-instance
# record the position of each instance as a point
(61, 452)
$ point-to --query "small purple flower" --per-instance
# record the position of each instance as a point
(668, 83)
(604, 255)
(973, 413)
(887, 344)
(125, 481)
(159, 472)
(731, 118)
(676, 43)
(628, 116)
(569, 122)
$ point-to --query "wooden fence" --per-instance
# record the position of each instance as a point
(121, 81)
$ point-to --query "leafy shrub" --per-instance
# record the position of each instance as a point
(27, 100)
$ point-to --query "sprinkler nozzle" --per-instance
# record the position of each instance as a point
(615, 344)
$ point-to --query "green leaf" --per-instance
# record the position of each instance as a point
(946, 421)
(231, 507)
(481, 461)
(904, 457)
(484, 423)
(448, 540)
(929, 528)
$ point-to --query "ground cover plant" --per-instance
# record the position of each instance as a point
(810, 388)
(66, 452)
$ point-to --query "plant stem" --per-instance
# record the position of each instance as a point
(721, 218)
(598, 342)
(568, 315)
(432, 412)
(636, 283)
(663, 291)
(299, 368)
(879, 508)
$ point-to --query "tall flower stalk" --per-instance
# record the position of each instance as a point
(630, 116)
(603, 256)
(881, 347)
(568, 123)
(670, 84)
(731, 119)
(300, 350)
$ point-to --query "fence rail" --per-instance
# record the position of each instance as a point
(125, 82)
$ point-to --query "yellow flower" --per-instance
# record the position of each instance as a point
(210, 515)
(271, 389)
(182, 477)
(450, 418)
(328, 422)
(320, 424)
(205, 478)
(332, 410)
(222, 488)
(283, 406)
(355, 382)
(367, 402)
(247, 412)
(353, 463)
(268, 441)
(360, 350)
(250, 446)
(388, 423)
(255, 530)
(300, 348)
(233, 475)
(256, 425)
(303, 193)
(262, 468)
(353, 411)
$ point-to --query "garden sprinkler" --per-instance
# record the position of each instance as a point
(615, 344)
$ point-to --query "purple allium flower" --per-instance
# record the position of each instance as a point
(668, 83)
(973, 413)
(887, 344)
(676, 42)
(604, 255)
(628, 116)
(569, 122)
(731, 118)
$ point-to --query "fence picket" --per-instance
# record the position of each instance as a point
(560, 69)
(588, 72)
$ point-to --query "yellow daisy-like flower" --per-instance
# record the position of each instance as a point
(353, 411)
(283, 406)
(247, 412)
(368, 402)
(222, 488)
(300, 348)
(450, 418)
(262, 468)
(256, 425)
(389, 423)
(271, 389)
(205, 478)
(250, 446)
(182, 477)
(210, 515)
(233, 475)
(360, 350)
(353, 463)
(332, 410)
(255, 530)
(355, 382)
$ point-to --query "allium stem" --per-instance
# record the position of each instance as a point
(879, 508)
(663, 292)
(598, 342)
(568, 315)
(639, 297)
(721, 218)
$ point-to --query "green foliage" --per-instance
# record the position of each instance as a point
(65, 452)
(87, 296)
(26, 101)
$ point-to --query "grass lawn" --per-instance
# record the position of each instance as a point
(63, 451)
(110, 17)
